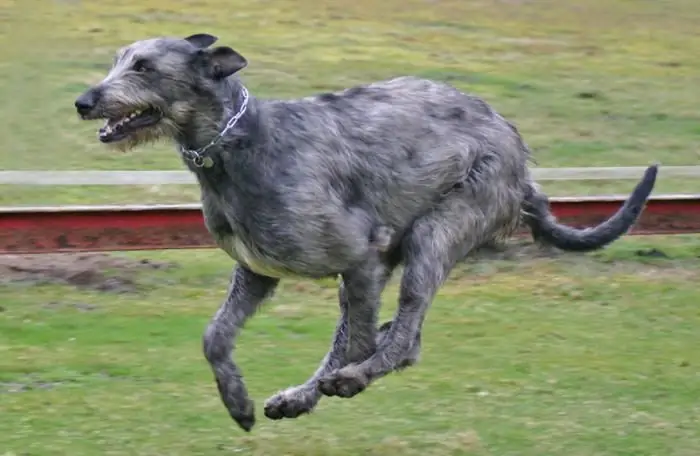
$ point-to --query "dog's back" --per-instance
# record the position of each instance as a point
(397, 147)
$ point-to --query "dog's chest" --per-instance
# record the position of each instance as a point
(248, 254)
(222, 218)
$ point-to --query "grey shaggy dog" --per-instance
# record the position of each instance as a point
(406, 171)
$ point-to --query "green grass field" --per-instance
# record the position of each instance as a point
(591, 355)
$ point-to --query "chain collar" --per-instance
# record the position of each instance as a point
(198, 157)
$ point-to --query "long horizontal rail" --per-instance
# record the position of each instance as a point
(106, 228)
(185, 177)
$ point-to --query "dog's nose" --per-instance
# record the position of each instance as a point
(86, 102)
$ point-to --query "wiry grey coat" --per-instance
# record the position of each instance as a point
(405, 171)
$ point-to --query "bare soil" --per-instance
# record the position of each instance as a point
(97, 271)
(117, 274)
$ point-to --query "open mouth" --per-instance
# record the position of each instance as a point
(116, 129)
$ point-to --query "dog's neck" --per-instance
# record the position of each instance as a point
(228, 116)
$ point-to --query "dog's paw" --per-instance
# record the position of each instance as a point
(346, 382)
(291, 403)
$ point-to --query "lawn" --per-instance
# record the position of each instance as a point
(549, 356)
(577, 355)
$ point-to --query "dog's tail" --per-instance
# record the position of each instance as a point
(545, 228)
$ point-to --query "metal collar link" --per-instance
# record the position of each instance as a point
(198, 157)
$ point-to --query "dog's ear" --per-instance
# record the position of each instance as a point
(223, 61)
(201, 40)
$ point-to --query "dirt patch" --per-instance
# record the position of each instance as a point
(654, 263)
(80, 306)
(34, 382)
(519, 249)
(97, 271)
(514, 250)
(16, 387)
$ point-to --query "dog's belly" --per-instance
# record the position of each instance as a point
(253, 259)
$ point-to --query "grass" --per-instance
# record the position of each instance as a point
(583, 356)
(600, 83)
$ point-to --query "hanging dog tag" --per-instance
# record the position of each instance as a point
(207, 162)
(203, 162)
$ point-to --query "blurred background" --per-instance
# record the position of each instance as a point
(588, 355)
(595, 83)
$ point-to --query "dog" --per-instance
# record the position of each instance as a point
(354, 183)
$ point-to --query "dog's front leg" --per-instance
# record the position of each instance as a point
(246, 293)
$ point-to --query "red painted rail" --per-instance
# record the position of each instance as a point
(105, 228)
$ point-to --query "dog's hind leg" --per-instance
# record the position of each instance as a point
(246, 293)
(354, 340)
(434, 244)
(413, 354)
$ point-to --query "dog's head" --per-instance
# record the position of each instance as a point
(156, 87)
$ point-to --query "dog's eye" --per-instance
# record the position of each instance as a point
(142, 66)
